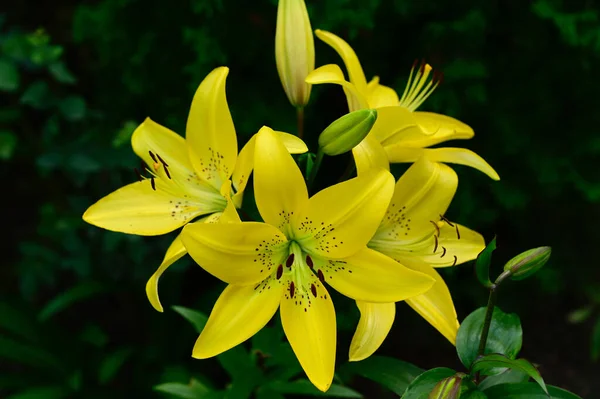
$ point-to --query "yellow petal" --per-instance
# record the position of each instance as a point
(279, 187)
(245, 161)
(369, 155)
(396, 122)
(461, 156)
(372, 276)
(341, 219)
(332, 73)
(355, 71)
(174, 253)
(210, 133)
(375, 323)
(239, 313)
(237, 253)
(436, 305)
(309, 324)
(421, 195)
(380, 95)
(138, 209)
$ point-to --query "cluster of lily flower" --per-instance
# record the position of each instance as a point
(373, 239)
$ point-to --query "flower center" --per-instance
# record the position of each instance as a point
(416, 92)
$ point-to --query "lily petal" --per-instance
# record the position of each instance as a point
(308, 319)
(374, 277)
(332, 73)
(341, 219)
(461, 156)
(355, 71)
(379, 95)
(375, 323)
(279, 187)
(212, 142)
(396, 122)
(237, 253)
(139, 209)
(239, 313)
(175, 252)
(369, 155)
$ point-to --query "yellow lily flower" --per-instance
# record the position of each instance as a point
(402, 131)
(414, 233)
(285, 261)
(186, 175)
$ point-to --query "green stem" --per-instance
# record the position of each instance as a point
(490, 311)
(300, 121)
(315, 168)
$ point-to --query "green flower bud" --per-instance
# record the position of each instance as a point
(347, 132)
(448, 388)
(527, 263)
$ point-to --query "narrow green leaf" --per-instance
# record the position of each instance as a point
(111, 364)
(595, 346)
(197, 319)
(70, 297)
(305, 387)
(506, 377)
(422, 386)
(41, 392)
(193, 390)
(392, 373)
(505, 336)
(489, 362)
(28, 355)
(482, 264)
(527, 390)
(17, 322)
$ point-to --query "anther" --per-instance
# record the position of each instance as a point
(162, 160)
(166, 171)
(443, 253)
(309, 261)
(457, 232)
(152, 156)
(290, 261)
(422, 67)
(137, 172)
(414, 65)
(455, 260)
(279, 272)
(436, 227)
(153, 183)
(313, 289)
(292, 289)
(436, 244)
(446, 220)
(320, 275)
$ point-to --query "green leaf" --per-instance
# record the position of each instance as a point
(505, 336)
(244, 373)
(392, 373)
(488, 362)
(37, 95)
(267, 393)
(28, 355)
(506, 377)
(41, 392)
(70, 297)
(8, 143)
(482, 264)
(580, 315)
(124, 134)
(527, 390)
(73, 108)
(474, 394)
(59, 71)
(17, 322)
(111, 364)
(595, 346)
(305, 387)
(9, 75)
(422, 386)
(193, 390)
(197, 319)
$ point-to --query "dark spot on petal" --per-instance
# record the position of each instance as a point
(279, 272)
(313, 289)
(290, 260)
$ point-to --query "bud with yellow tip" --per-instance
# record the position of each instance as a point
(294, 50)
(345, 133)
(448, 388)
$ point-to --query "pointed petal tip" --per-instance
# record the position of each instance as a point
(152, 293)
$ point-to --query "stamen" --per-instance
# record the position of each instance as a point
(152, 156)
(320, 275)
(309, 261)
(137, 172)
(166, 171)
(279, 272)
(290, 261)
(457, 232)
(455, 260)
(143, 166)
(161, 160)
(436, 244)
(436, 227)
(446, 220)
(292, 289)
(443, 253)
(153, 183)
(419, 87)
(313, 289)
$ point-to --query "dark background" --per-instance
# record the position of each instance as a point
(77, 77)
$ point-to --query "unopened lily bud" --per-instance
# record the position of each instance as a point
(347, 132)
(527, 263)
(448, 388)
(294, 50)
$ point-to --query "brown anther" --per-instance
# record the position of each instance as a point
(442, 217)
(313, 289)
(162, 160)
(292, 289)
(455, 260)
(414, 65)
(166, 171)
(436, 244)
(153, 183)
(436, 227)
(279, 272)
(457, 232)
(320, 275)
(422, 67)
(137, 172)
(152, 156)
(143, 166)
(309, 261)
(443, 253)
(290, 261)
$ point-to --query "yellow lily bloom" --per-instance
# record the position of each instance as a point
(186, 175)
(402, 131)
(414, 233)
(285, 261)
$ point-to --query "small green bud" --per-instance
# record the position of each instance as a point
(448, 388)
(347, 132)
(527, 263)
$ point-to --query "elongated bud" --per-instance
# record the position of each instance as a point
(527, 263)
(347, 132)
(294, 50)
(448, 388)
